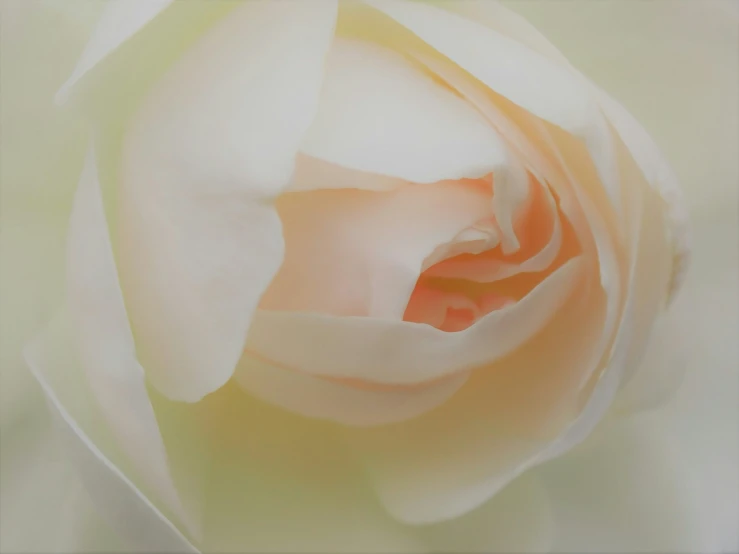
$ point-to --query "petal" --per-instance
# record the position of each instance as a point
(320, 398)
(284, 483)
(518, 519)
(357, 253)
(490, 269)
(37, 479)
(400, 352)
(120, 20)
(214, 142)
(626, 491)
(443, 464)
(316, 174)
(380, 113)
(55, 364)
(105, 341)
(564, 162)
(516, 73)
(641, 146)
(648, 279)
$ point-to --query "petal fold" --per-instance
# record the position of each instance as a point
(120, 20)
(400, 352)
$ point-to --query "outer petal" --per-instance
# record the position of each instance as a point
(343, 403)
(120, 20)
(518, 519)
(627, 490)
(213, 144)
(381, 113)
(55, 364)
(516, 73)
(106, 344)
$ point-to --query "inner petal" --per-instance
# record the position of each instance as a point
(359, 253)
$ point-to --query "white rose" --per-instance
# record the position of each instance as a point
(339, 274)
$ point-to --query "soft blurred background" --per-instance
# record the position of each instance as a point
(673, 63)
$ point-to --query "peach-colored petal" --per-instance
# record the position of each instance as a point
(380, 113)
(357, 253)
(447, 462)
(518, 74)
(490, 268)
(211, 146)
(641, 146)
(399, 352)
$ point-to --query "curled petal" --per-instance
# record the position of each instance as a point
(356, 253)
(105, 342)
(400, 352)
(120, 20)
(517, 73)
(213, 144)
(382, 114)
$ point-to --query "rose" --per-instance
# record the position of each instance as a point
(96, 283)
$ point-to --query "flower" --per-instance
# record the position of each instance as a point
(458, 277)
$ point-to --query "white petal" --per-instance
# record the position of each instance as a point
(343, 403)
(659, 174)
(105, 341)
(515, 72)
(55, 364)
(120, 20)
(519, 146)
(399, 352)
(641, 146)
(213, 144)
(381, 114)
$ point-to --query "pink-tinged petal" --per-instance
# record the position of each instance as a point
(399, 352)
(359, 253)
(316, 174)
(518, 519)
(344, 403)
(650, 261)
(212, 145)
(380, 113)
(120, 20)
(105, 346)
(517, 73)
(445, 463)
